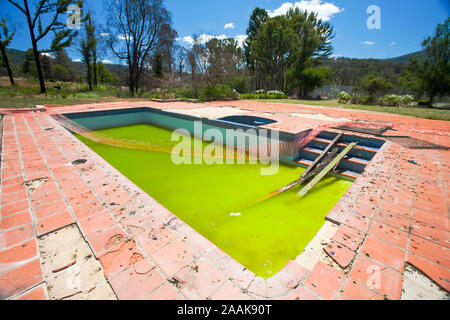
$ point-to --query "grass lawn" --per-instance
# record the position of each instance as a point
(27, 94)
(436, 113)
(19, 102)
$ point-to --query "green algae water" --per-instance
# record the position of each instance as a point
(263, 238)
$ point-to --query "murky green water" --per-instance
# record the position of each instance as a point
(263, 238)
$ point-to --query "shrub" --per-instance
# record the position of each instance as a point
(60, 73)
(240, 84)
(218, 92)
(407, 99)
(344, 97)
(394, 100)
(185, 93)
(359, 98)
(274, 94)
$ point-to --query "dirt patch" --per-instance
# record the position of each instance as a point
(35, 184)
(70, 269)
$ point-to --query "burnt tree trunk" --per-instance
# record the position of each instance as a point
(7, 65)
(35, 49)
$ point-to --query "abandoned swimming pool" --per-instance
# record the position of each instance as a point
(211, 198)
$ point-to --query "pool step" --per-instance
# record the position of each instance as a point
(349, 158)
(353, 164)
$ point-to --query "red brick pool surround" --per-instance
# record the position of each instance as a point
(396, 213)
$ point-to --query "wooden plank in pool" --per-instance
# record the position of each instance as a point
(322, 155)
(326, 170)
(322, 160)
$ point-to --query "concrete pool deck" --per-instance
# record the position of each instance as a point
(393, 218)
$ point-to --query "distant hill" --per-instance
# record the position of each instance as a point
(16, 58)
(406, 57)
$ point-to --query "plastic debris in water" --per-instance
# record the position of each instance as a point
(235, 214)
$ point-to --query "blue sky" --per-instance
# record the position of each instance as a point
(404, 23)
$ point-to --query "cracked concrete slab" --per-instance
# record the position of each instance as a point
(314, 251)
(70, 269)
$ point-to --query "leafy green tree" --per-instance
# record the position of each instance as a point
(60, 73)
(28, 65)
(105, 76)
(431, 75)
(313, 78)
(283, 47)
(309, 47)
(5, 41)
(373, 85)
(270, 50)
(47, 66)
(258, 17)
(63, 59)
(52, 11)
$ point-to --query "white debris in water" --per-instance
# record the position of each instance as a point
(235, 214)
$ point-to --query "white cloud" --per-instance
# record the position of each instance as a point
(104, 34)
(240, 39)
(369, 43)
(124, 37)
(229, 25)
(325, 11)
(189, 40)
(107, 61)
(48, 55)
(336, 56)
(76, 60)
(203, 38)
(393, 44)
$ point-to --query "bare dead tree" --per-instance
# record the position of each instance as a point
(133, 32)
(52, 11)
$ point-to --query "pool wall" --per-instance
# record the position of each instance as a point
(126, 117)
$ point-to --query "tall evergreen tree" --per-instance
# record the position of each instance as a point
(431, 75)
(89, 52)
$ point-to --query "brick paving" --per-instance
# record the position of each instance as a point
(394, 214)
